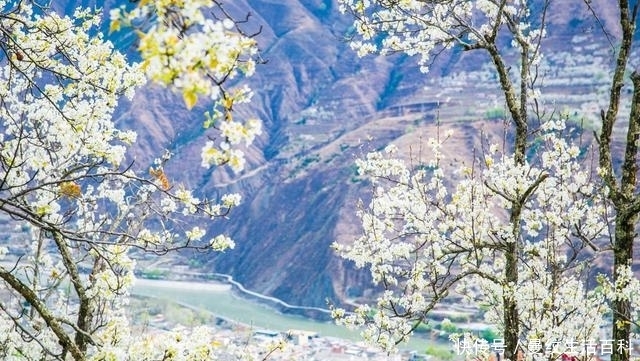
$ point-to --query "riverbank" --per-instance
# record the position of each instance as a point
(186, 275)
(224, 300)
(221, 300)
(315, 313)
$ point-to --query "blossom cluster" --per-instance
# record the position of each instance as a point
(196, 56)
(180, 344)
(423, 237)
(424, 28)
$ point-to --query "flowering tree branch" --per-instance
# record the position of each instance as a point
(84, 211)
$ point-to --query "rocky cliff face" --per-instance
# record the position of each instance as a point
(322, 107)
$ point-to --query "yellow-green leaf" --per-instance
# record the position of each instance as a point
(190, 98)
(115, 26)
(227, 102)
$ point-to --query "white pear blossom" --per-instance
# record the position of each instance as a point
(231, 200)
(221, 243)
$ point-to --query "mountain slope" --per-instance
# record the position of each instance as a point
(322, 107)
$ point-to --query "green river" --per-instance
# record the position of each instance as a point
(218, 299)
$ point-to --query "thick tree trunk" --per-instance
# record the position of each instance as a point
(518, 111)
(510, 316)
(625, 224)
(623, 194)
(623, 255)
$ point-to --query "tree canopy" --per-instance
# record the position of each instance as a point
(84, 208)
(517, 232)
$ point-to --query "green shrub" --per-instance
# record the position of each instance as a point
(440, 352)
(495, 113)
(489, 334)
